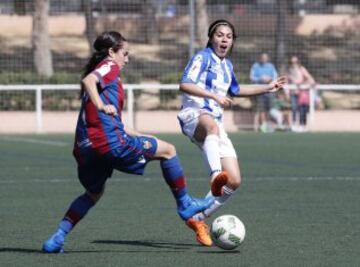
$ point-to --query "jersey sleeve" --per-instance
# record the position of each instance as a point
(234, 89)
(107, 73)
(194, 69)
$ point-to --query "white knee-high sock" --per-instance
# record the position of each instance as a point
(218, 203)
(211, 151)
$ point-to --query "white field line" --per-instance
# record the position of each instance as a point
(137, 179)
(33, 141)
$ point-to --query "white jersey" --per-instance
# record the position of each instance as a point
(209, 72)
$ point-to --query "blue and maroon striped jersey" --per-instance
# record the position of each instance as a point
(95, 129)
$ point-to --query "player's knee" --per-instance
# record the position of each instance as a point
(170, 151)
(212, 129)
(95, 196)
(234, 183)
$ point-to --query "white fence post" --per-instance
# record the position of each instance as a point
(39, 118)
(312, 105)
(130, 107)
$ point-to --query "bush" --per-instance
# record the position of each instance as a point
(171, 78)
(33, 78)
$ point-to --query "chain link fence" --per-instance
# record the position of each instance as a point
(323, 33)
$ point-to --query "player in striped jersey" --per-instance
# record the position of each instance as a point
(103, 143)
(208, 83)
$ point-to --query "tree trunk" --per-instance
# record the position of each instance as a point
(281, 32)
(89, 22)
(202, 22)
(150, 26)
(41, 40)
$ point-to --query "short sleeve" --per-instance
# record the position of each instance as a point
(194, 69)
(234, 89)
(107, 72)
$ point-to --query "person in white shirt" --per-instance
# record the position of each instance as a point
(207, 85)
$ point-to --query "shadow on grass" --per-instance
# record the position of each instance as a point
(165, 246)
(220, 252)
(38, 251)
(150, 243)
(22, 250)
(140, 244)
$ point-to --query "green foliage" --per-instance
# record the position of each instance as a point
(33, 78)
(132, 77)
(171, 78)
(242, 78)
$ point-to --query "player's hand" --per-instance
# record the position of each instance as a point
(277, 84)
(109, 109)
(223, 101)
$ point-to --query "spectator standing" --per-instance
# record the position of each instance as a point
(263, 72)
(300, 97)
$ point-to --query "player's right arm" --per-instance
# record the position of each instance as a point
(193, 89)
(89, 83)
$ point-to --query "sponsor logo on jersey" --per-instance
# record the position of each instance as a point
(195, 68)
(147, 144)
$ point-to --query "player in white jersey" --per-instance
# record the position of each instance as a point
(208, 83)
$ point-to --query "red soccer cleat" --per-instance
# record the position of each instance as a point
(218, 182)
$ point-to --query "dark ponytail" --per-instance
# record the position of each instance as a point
(102, 44)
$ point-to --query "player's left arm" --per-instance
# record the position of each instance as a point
(272, 87)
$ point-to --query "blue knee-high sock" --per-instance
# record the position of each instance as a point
(77, 210)
(174, 177)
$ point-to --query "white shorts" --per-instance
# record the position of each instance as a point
(189, 119)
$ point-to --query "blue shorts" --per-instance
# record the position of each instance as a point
(132, 157)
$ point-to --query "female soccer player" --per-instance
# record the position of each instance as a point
(103, 143)
(206, 84)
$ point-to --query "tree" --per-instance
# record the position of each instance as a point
(90, 32)
(41, 40)
(202, 21)
(281, 32)
(151, 28)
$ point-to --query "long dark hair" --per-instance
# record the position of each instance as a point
(102, 44)
(213, 26)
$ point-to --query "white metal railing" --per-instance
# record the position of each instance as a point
(130, 95)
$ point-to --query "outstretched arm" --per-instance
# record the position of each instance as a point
(195, 90)
(272, 87)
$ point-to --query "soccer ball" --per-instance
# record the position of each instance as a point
(227, 232)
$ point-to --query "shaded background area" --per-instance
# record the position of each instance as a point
(325, 34)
